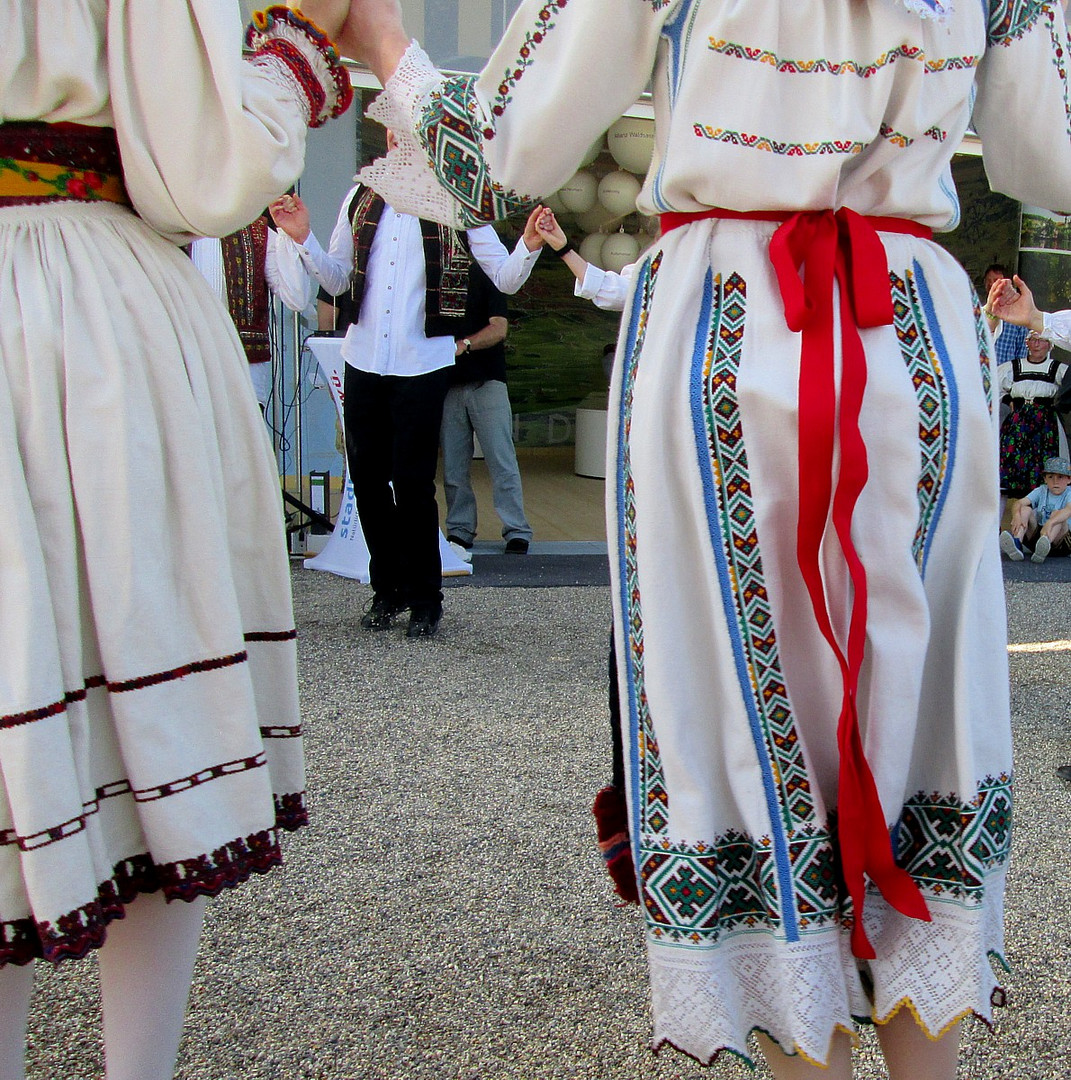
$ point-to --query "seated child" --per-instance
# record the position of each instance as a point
(1046, 508)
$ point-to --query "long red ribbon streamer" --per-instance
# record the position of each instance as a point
(840, 246)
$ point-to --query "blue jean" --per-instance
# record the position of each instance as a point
(483, 408)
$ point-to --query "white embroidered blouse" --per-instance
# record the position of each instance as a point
(863, 109)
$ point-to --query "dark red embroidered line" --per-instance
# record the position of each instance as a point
(272, 635)
(194, 668)
(14, 719)
(140, 683)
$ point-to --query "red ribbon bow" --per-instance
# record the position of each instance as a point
(841, 246)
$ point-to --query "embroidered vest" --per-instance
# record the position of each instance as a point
(244, 253)
(446, 266)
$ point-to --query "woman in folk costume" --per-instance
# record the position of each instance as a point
(811, 647)
(149, 732)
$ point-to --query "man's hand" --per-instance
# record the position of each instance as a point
(532, 239)
(292, 216)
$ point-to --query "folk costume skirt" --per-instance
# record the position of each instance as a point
(731, 695)
(149, 733)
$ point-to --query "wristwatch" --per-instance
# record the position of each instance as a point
(467, 343)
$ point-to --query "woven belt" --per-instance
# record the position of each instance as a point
(809, 251)
(43, 163)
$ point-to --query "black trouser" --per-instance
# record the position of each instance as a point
(392, 437)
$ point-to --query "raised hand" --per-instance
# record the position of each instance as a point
(374, 34)
(1014, 302)
(292, 216)
(329, 15)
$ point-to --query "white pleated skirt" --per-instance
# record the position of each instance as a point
(149, 731)
(732, 695)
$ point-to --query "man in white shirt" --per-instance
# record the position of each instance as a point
(408, 279)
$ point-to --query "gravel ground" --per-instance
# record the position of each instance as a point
(446, 917)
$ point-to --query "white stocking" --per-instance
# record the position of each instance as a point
(16, 984)
(146, 965)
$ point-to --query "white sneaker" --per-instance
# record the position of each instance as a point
(1041, 549)
(1011, 547)
(465, 555)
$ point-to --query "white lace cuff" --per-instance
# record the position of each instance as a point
(437, 170)
(404, 177)
(302, 57)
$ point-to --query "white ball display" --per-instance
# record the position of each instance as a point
(594, 151)
(595, 218)
(618, 191)
(554, 202)
(580, 192)
(590, 249)
(631, 142)
(618, 250)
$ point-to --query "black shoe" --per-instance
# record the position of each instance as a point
(517, 546)
(424, 620)
(380, 613)
(453, 538)
(1064, 772)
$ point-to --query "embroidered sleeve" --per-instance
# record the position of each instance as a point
(303, 56)
(476, 149)
(436, 170)
(1025, 123)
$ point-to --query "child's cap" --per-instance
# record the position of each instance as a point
(1058, 465)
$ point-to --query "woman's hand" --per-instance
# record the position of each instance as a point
(374, 34)
(292, 216)
(1013, 302)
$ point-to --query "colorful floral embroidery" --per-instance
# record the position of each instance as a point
(41, 181)
(897, 138)
(863, 69)
(535, 37)
(774, 146)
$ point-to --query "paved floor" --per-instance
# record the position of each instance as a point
(446, 917)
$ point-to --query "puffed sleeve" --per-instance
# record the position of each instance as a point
(479, 148)
(1023, 107)
(1058, 328)
(208, 138)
